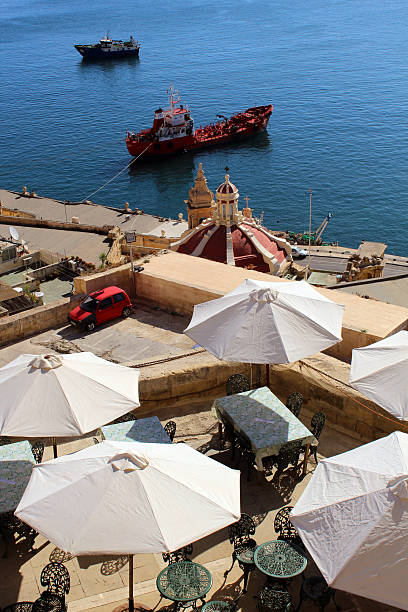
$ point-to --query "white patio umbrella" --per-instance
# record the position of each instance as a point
(380, 372)
(353, 519)
(130, 497)
(261, 322)
(63, 396)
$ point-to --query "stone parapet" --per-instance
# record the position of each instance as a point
(24, 324)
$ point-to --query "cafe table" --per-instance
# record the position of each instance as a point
(184, 581)
(140, 430)
(16, 464)
(280, 559)
(264, 420)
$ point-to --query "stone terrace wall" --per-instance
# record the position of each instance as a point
(118, 277)
(178, 282)
(25, 324)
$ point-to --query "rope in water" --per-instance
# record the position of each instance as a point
(116, 175)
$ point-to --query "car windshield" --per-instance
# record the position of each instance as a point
(89, 304)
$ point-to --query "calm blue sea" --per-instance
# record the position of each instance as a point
(336, 73)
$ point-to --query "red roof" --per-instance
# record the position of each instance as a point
(245, 251)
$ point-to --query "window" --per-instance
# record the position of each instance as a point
(119, 297)
(105, 303)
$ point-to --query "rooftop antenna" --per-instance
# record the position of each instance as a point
(13, 233)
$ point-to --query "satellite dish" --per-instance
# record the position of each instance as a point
(13, 233)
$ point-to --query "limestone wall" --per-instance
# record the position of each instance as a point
(170, 388)
(178, 282)
(25, 324)
(119, 277)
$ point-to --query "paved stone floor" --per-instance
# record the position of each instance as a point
(147, 334)
(101, 583)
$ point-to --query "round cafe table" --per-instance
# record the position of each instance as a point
(183, 582)
(280, 560)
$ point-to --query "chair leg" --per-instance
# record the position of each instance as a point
(233, 561)
(246, 576)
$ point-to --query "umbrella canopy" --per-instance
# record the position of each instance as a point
(379, 372)
(163, 497)
(353, 519)
(260, 322)
(64, 395)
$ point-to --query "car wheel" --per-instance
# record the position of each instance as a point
(126, 312)
(90, 326)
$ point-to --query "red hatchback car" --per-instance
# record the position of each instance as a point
(99, 307)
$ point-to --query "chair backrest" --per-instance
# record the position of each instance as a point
(317, 424)
(182, 554)
(289, 454)
(219, 606)
(55, 577)
(38, 450)
(4, 440)
(240, 532)
(294, 402)
(283, 525)
(237, 383)
(170, 427)
(274, 599)
(129, 416)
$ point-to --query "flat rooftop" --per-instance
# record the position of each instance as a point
(92, 214)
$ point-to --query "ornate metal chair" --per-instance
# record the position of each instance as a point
(10, 524)
(129, 416)
(316, 427)
(55, 577)
(244, 546)
(294, 403)
(4, 440)
(219, 606)
(182, 554)
(317, 590)
(38, 450)
(49, 602)
(170, 428)
(288, 455)
(284, 528)
(247, 454)
(274, 598)
(21, 606)
(237, 383)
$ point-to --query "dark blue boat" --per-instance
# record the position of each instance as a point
(109, 48)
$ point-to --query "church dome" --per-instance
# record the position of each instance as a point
(227, 187)
(230, 237)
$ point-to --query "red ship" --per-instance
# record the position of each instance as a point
(173, 130)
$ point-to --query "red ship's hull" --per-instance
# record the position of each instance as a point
(239, 126)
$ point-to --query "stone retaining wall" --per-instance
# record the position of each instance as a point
(24, 324)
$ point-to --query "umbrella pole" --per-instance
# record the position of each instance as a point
(54, 444)
(268, 381)
(131, 600)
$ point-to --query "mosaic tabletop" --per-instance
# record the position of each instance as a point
(141, 430)
(280, 559)
(16, 464)
(184, 581)
(263, 419)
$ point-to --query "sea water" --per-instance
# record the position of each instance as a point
(336, 73)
